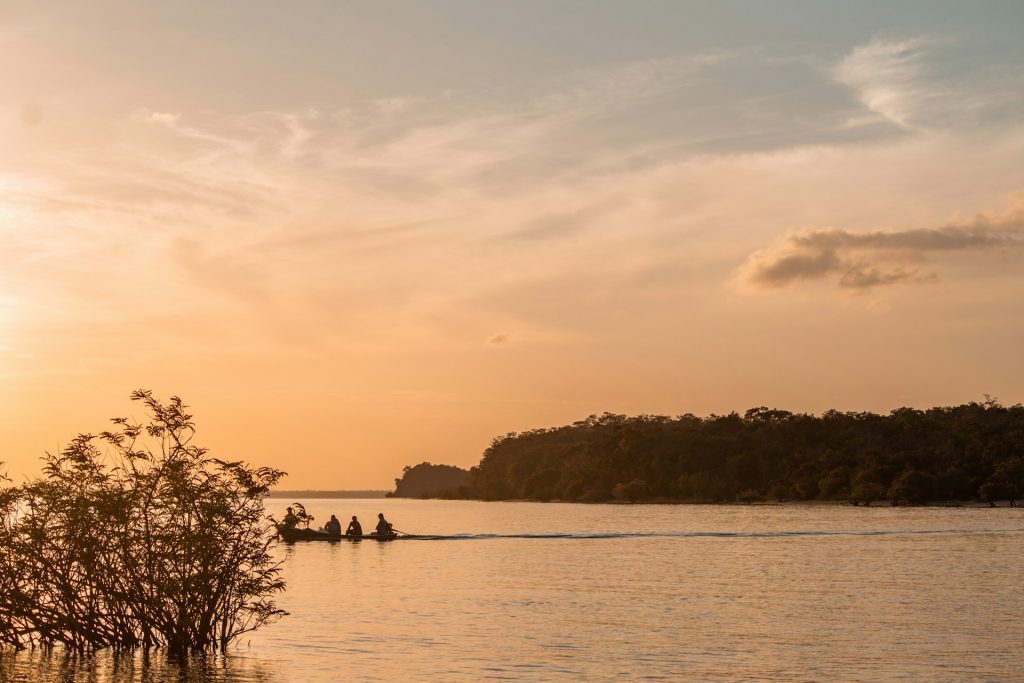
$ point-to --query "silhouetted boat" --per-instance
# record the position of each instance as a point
(291, 535)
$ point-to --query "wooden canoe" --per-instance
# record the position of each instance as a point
(292, 535)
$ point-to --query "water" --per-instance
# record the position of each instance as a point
(601, 592)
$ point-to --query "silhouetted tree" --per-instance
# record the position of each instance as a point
(148, 542)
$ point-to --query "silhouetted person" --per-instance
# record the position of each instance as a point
(290, 520)
(333, 526)
(383, 526)
(354, 527)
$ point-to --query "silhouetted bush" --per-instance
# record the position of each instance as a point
(149, 542)
(912, 486)
(631, 491)
(867, 492)
(1006, 482)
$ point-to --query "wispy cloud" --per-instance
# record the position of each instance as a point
(864, 260)
(605, 179)
(164, 117)
(551, 227)
(929, 82)
(498, 339)
(887, 77)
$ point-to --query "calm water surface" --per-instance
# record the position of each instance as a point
(789, 593)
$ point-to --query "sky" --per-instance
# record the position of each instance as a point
(356, 236)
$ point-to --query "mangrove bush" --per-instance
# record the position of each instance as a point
(137, 537)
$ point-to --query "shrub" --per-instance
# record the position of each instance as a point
(866, 492)
(631, 491)
(149, 543)
(913, 486)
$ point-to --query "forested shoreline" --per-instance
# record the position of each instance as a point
(971, 452)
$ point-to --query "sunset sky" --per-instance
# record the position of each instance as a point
(359, 235)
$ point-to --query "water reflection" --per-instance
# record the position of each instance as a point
(61, 666)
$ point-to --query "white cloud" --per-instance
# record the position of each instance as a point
(163, 117)
(887, 77)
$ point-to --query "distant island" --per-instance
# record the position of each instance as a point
(433, 481)
(302, 495)
(971, 452)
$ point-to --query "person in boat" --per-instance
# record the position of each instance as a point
(383, 526)
(354, 527)
(333, 526)
(290, 520)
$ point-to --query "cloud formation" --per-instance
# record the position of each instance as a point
(886, 76)
(927, 82)
(864, 260)
(498, 339)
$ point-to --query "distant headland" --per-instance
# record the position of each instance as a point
(427, 480)
(968, 453)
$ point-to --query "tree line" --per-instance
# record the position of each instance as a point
(136, 537)
(968, 452)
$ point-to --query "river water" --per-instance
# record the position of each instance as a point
(544, 592)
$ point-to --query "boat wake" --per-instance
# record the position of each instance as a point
(709, 534)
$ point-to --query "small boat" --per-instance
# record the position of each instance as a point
(292, 534)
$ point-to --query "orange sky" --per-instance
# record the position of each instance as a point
(359, 237)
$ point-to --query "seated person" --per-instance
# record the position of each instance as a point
(290, 520)
(354, 527)
(383, 525)
(333, 526)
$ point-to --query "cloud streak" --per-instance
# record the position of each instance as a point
(498, 339)
(886, 76)
(927, 82)
(865, 260)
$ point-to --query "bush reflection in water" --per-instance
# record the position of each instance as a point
(63, 666)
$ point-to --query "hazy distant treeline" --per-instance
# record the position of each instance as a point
(302, 494)
(967, 452)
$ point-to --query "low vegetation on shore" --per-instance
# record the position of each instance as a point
(963, 453)
(136, 537)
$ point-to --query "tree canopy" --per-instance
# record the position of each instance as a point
(427, 480)
(968, 452)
